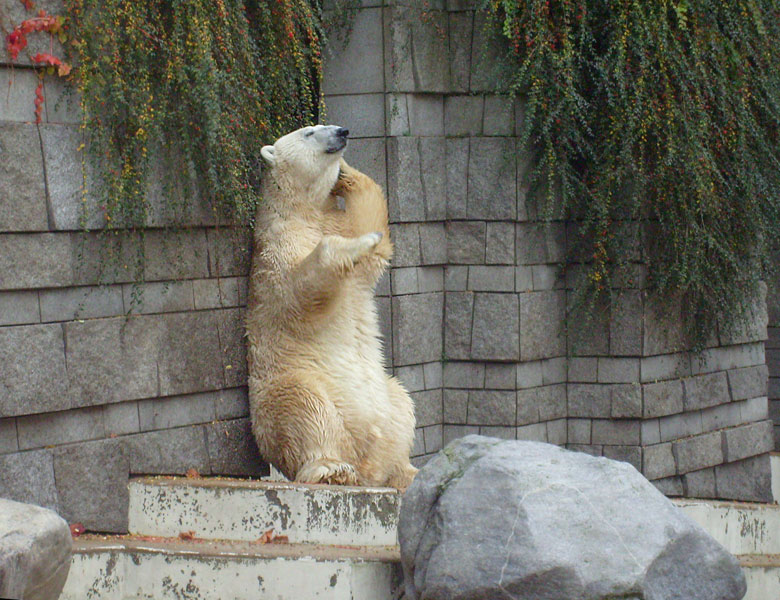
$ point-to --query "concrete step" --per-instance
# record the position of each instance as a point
(233, 509)
(131, 568)
(762, 573)
(742, 527)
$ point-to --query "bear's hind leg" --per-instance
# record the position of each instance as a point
(401, 476)
(327, 470)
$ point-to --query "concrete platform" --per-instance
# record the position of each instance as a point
(131, 568)
(236, 509)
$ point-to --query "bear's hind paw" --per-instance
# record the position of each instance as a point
(330, 471)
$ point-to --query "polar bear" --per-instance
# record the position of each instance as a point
(323, 409)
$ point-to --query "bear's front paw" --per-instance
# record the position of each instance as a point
(365, 244)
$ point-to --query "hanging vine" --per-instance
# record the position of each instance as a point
(656, 129)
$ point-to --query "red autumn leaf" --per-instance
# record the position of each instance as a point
(76, 529)
(64, 69)
(28, 4)
(192, 474)
(38, 102)
(15, 42)
(269, 538)
(187, 535)
(46, 59)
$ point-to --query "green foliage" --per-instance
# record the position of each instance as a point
(656, 127)
(189, 91)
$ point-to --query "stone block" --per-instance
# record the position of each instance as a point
(582, 369)
(16, 101)
(232, 449)
(50, 429)
(432, 374)
(22, 185)
(502, 433)
(460, 32)
(416, 178)
(589, 400)
(433, 243)
(8, 436)
(495, 331)
(755, 409)
(411, 377)
(92, 485)
(500, 244)
(35, 261)
(416, 50)
(750, 382)
(529, 375)
(664, 366)
(662, 333)
(19, 308)
(705, 391)
(121, 419)
(491, 279)
(535, 432)
(232, 340)
(546, 277)
(651, 432)
(680, 426)
(499, 116)
(556, 432)
(540, 243)
(698, 452)
(29, 477)
(748, 440)
(171, 451)
(33, 377)
(433, 438)
(488, 52)
(459, 309)
(363, 115)
(427, 407)
(110, 360)
(206, 294)
(492, 192)
(748, 480)
(618, 432)
(417, 335)
(186, 254)
(669, 486)
(406, 244)
(578, 431)
(629, 454)
(383, 285)
(700, 484)
(662, 398)
(729, 357)
(658, 461)
(618, 370)
(384, 313)
(463, 115)
(455, 408)
(490, 407)
(453, 432)
(430, 279)
(396, 115)
(368, 155)
(542, 316)
(176, 411)
(158, 297)
(404, 280)
(468, 375)
(232, 403)
(233, 291)
(457, 154)
(626, 401)
(554, 370)
(718, 417)
(466, 242)
(528, 406)
(418, 445)
(62, 101)
(754, 328)
(625, 325)
(356, 67)
(551, 401)
(86, 302)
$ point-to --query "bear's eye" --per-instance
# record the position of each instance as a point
(309, 133)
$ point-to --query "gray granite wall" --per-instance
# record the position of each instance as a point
(472, 308)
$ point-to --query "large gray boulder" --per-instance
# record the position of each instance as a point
(35, 547)
(488, 518)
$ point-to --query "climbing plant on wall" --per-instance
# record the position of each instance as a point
(656, 128)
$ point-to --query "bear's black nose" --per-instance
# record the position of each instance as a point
(342, 132)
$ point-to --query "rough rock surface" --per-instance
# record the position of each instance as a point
(35, 547)
(487, 518)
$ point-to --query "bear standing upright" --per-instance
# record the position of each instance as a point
(323, 409)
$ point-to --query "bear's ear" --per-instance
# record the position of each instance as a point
(267, 152)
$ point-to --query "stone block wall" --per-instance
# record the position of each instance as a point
(472, 310)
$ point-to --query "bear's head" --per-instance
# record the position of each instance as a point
(308, 159)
